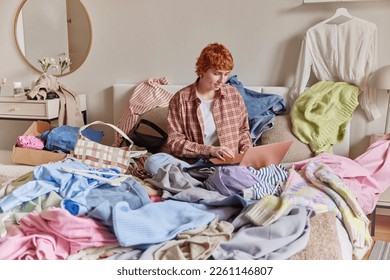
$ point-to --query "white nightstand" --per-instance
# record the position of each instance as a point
(45, 110)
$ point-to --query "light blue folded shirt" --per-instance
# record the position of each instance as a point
(156, 222)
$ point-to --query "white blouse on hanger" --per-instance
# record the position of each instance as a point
(340, 52)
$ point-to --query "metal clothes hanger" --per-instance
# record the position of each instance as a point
(340, 16)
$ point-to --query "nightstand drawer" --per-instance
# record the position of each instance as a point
(30, 109)
(23, 109)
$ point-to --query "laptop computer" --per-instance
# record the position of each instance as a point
(259, 156)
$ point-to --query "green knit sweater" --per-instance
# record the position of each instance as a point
(320, 115)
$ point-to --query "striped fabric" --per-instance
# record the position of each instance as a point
(272, 178)
(146, 96)
(317, 188)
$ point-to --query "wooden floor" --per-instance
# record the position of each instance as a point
(382, 230)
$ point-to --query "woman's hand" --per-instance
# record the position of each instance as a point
(221, 152)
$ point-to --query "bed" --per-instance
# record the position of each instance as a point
(186, 224)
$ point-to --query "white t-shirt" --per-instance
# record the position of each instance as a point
(210, 130)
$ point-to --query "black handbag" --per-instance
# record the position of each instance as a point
(150, 142)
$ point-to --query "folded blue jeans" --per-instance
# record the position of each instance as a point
(64, 138)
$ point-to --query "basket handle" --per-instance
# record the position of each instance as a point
(110, 125)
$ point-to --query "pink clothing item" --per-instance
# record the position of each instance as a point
(146, 96)
(30, 142)
(155, 198)
(366, 175)
(376, 160)
(351, 172)
(377, 137)
(53, 234)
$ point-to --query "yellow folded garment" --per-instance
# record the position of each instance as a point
(320, 115)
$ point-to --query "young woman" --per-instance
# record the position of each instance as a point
(207, 118)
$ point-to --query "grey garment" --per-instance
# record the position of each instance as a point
(195, 196)
(278, 241)
(227, 207)
(212, 198)
(224, 213)
(198, 194)
(231, 179)
(173, 179)
(241, 220)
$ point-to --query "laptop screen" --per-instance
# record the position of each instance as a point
(259, 156)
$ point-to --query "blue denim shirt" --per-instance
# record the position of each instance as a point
(262, 108)
(64, 138)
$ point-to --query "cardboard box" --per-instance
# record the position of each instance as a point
(35, 157)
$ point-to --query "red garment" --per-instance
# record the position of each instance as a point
(146, 96)
(186, 127)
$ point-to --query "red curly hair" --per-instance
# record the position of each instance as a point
(215, 56)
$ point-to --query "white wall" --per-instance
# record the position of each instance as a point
(134, 40)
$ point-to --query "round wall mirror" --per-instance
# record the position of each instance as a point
(58, 29)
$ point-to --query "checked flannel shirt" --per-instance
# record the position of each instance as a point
(186, 127)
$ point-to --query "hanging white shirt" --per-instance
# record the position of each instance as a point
(340, 52)
(210, 130)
